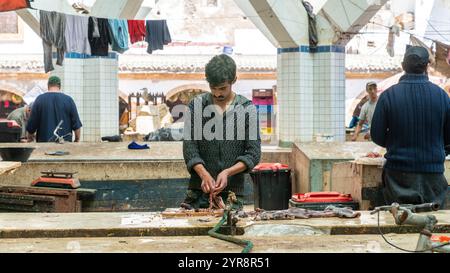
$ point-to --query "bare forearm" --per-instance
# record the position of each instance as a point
(201, 171)
(358, 130)
(77, 135)
(236, 168)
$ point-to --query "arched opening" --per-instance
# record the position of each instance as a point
(10, 100)
(183, 94)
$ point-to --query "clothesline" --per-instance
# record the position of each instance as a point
(406, 32)
(13, 5)
(92, 35)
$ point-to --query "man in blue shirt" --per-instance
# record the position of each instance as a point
(412, 120)
(49, 110)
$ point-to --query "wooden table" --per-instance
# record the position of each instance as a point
(362, 179)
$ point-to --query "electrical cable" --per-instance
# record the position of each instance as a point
(402, 249)
(428, 22)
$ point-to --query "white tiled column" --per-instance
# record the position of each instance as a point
(93, 84)
(311, 93)
(109, 97)
(329, 92)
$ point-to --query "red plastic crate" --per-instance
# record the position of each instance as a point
(263, 101)
(321, 197)
(270, 167)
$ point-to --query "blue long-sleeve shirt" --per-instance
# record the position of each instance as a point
(412, 120)
(48, 110)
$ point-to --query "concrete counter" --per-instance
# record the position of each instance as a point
(125, 224)
(151, 179)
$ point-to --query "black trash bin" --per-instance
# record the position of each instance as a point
(271, 186)
(10, 131)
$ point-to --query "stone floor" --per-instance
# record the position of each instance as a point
(202, 244)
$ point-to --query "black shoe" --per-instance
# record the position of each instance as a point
(112, 138)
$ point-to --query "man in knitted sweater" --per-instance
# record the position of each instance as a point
(221, 137)
(412, 120)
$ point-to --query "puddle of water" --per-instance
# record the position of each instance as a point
(282, 230)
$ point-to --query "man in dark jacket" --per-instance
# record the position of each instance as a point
(221, 139)
(412, 120)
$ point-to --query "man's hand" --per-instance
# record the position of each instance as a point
(222, 182)
(208, 183)
(354, 137)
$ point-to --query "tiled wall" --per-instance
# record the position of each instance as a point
(311, 93)
(93, 84)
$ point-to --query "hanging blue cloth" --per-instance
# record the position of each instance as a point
(118, 32)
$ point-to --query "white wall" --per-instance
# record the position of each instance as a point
(31, 44)
(252, 42)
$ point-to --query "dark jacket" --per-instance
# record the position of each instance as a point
(217, 155)
(412, 120)
(99, 45)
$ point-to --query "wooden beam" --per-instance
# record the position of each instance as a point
(362, 76)
(192, 76)
(23, 76)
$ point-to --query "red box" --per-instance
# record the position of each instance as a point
(263, 101)
(319, 197)
(262, 93)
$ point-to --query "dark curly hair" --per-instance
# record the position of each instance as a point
(220, 69)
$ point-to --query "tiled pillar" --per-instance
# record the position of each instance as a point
(311, 93)
(93, 84)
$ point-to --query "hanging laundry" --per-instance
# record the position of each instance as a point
(77, 34)
(442, 59)
(118, 33)
(99, 43)
(95, 30)
(52, 32)
(416, 42)
(157, 35)
(11, 5)
(393, 31)
(312, 25)
(136, 28)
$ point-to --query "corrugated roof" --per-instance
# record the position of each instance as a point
(196, 63)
